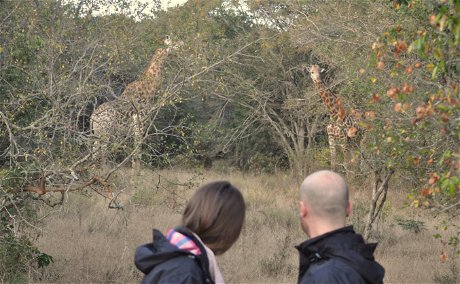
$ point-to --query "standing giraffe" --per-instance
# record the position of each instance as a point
(343, 125)
(125, 116)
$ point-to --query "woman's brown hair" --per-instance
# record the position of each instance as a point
(216, 214)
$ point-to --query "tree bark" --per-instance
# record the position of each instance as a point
(382, 177)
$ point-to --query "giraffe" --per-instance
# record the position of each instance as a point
(117, 120)
(343, 126)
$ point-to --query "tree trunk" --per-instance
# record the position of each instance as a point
(382, 177)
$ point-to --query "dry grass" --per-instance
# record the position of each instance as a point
(91, 243)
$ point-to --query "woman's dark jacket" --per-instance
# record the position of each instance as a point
(340, 256)
(162, 262)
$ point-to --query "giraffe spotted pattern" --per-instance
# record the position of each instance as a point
(122, 119)
(343, 126)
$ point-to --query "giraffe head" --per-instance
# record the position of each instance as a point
(168, 41)
(315, 73)
(170, 45)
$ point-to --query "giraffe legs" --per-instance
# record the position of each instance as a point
(138, 132)
(331, 133)
(101, 120)
(337, 141)
(346, 157)
(100, 152)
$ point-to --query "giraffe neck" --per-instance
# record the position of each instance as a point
(152, 74)
(332, 103)
(157, 61)
(146, 85)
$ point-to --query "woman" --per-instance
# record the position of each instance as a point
(211, 224)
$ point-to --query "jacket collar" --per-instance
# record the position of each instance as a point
(344, 244)
(203, 258)
(160, 250)
(315, 249)
(311, 246)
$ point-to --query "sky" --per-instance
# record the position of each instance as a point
(165, 3)
(110, 9)
(173, 3)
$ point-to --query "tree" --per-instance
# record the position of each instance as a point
(276, 87)
(57, 62)
(416, 103)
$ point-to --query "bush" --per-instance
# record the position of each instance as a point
(17, 256)
(411, 225)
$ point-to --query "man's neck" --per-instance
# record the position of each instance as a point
(321, 229)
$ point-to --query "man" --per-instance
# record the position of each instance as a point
(334, 253)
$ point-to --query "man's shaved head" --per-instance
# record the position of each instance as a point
(326, 194)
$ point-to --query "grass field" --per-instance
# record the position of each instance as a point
(91, 243)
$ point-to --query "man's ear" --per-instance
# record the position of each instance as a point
(303, 210)
(349, 208)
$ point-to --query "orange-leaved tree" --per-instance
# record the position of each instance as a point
(414, 107)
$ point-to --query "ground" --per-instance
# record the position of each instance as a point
(91, 243)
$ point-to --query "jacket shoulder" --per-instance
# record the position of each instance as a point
(331, 271)
(180, 269)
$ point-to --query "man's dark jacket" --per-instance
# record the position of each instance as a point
(340, 256)
(162, 262)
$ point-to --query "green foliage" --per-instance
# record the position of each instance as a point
(11, 179)
(17, 254)
(222, 107)
(237, 90)
(451, 240)
(410, 225)
(53, 68)
(415, 104)
(418, 86)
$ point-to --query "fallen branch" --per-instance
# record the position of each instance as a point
(42, 190)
